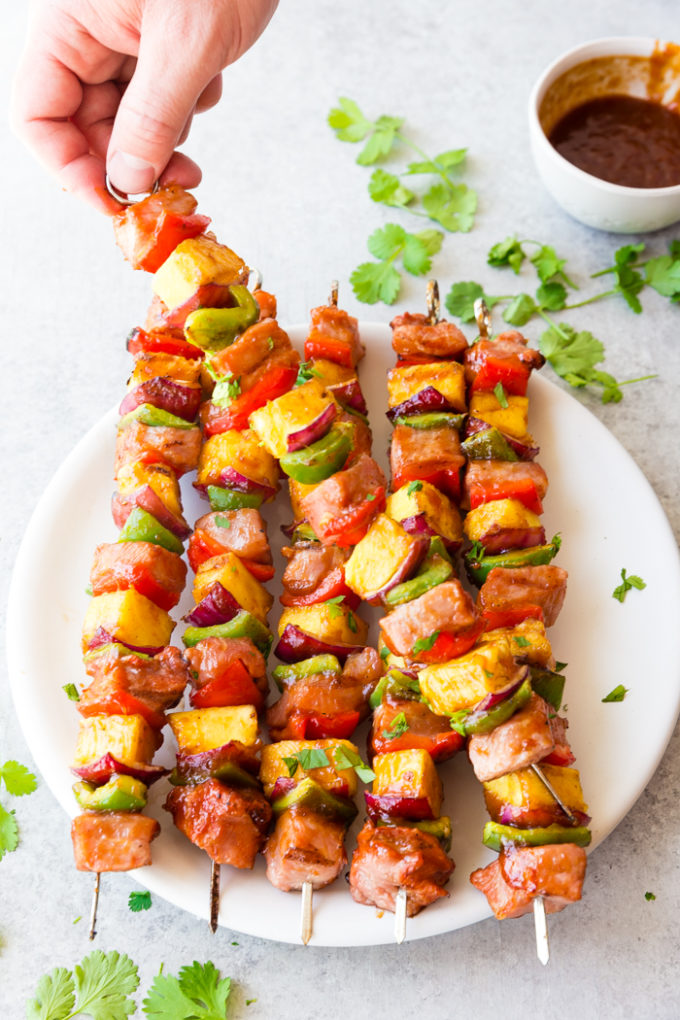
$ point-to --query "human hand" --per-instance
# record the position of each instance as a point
(113, 86)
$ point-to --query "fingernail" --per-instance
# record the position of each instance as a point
(130, 174)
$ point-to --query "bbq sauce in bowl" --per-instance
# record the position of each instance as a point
(623, 139)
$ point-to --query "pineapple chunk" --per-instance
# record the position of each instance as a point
(524, 789)
(408, 773)
(206, 728)
(236, 579)
(463, 682)
(385, 550)
(194, 263)
(129, 738)
(240, 451)
(498, 515)
(185, 371)
(129, 618)
(439, 512)
(342, 781)
(329, 373)
(512, 419)
(528, 640)
(290, 413)
(297, 492)
(329, 623)
(162, 479)
(447, 377)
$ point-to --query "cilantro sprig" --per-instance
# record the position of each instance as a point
(197, 993)
(617, 694)
(19, 782)
(628, 582)
(139, 901)
(398, 727)
(381, 281)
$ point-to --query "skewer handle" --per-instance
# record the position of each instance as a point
(95, 904)
(214, 895)
(306, 915)
(541, 926)
(400, 917)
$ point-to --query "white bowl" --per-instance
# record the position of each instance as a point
(592, 201)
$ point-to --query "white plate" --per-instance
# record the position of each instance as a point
(609, 518)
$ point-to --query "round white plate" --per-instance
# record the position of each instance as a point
(609, 518)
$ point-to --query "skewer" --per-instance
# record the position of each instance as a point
(541, 926)
(433, 303)
(95, 904)
(306, 916)
(483, 318)
(400, 916)
(553, 793)
(214, 895)
(333, 299)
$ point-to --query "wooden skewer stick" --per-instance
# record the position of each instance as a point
(553, 793)
(95, 904)
(400, 916)
(214, 895)
(333, 299)
(541, 926)
(483, 318)
(434, 308)
(255, 280)
(306, 915)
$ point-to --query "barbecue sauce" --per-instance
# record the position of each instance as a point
(621, 139)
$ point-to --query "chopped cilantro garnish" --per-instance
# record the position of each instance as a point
(617, 694)
(398, 728)
(413, 487)
(345, 758)
(649, 896)
(71, 692)
(500, 394)
(627, 582)
(222, 522)
(139, 901)
(520, 640)
(426, 643)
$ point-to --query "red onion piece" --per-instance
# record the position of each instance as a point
(218, 606)
(386, 806)
(167, 394)
(282, 786)
(100, 771)
(233, 479)
(427, 399)
(294, 645)
(315, 430)
(103, 637)
(245, 757)
(350, 395)
(512, 538)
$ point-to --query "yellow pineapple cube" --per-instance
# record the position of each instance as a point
(194, 263)
(297, 492)
(162, 479)
(341, 781)
(329, 373)
(290, 413)
(512, 420)
(129, 618)
(447, 377)
(524, 789)
(186, 371)
(328, 622)
(439, 512)
(129, 738)
(463, 682)
(498, 515)
(409, 773)
(228, 570)
(390, 659)
(528, 640)
(240, 451)
(385, 550)
(203, 729)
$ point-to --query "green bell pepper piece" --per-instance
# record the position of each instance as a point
(310, 795)
(121, 793)
(490, 444)
(243, 625)
(436, 568)
(536, 555)
(496, 835)
(121, 650)
(213, 329)
(304, 533)
(231, 499)
(432, 420)
(290, 673)
(149, 414)
(470, 723)
(548, 685)
(399, 685)
(141, 526)
(320, 460)
(440, 828)
(227, 772)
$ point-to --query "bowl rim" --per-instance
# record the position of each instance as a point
(614, 45)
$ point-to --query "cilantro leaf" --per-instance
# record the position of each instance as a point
(352, 623)
(508, 252)
(226, 388)
(388, 189)
(500, 394)
(460, 300)
(663, 274)
(54, 998)
(444, 161)
(139, 901)
(552, 296)
(398, 727)
(387, 241)
(384, 653)
(520, 310)
(453, 206)
(222, 522)
(18, 779)
(548, 265)
(431, 240)
(308, 758)
(617, 694)
(9, 833)
(305, 373)
(457, 721)
(627, 583)
(559, 666)
(520, 641)
(104, 982)
(412, 487)
(197, 993)
(345, 758)
(376, 281)
(649, 896)
(426, 643)
(415, 256)
(348, 121)
(381, 141)
(71, 692)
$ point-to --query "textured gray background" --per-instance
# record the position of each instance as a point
(287, 195)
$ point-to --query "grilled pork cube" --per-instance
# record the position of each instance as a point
(494, 479)
(267, 303)
(447, 608)
(159, 681)
(389, 858)
(510, 587)
(425, 729)
(112, 840)
(416, 336)
(432, 455)
(305, 847)
(519, 875)
(211, 658)
(308, 566)
(365, 666)
(521, 741)
(521, 799)
(242, 532)
(340, 494)
(317, 694)
(177, 448)
(334, 335)
(510, 346)
(260, 348)
(152, 570)
(229, 824)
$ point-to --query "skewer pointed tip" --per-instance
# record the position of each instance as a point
(214, 895)
(433, 302)
(541, 926)
(400, 917)
(95, 903)
(306, 916)
(333, 299)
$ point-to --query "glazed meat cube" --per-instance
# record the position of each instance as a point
(112, 840)
(154, 571)
(308, 565)
(446, 608)
(494, 479)
(178, 448)
(256, 351)
(318, 694)
(512, 882)
(426, 730)
(510, 346)
(242, 532)
(522, 740)
(430, 455)
(305, 847)
(158, 681)
(340, 494)
(415, 336)
(334, 335)
(508, 587)
(212, 657)
(229, 824)
(365, 666)
(389, 858)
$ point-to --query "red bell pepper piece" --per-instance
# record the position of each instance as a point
(522, 489)
(171, 229)
(330, 348)
(389, 805)
(274, 383)
(447, 480)
(508, 371)
(450, 646)
(331, 587)
(439, 747)
(123, 703)
(350, 527)
(141, 341)
(511, 617)
(319, 726)
(202, 547)
(562, 755)
(233, 687)
(260, 571)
